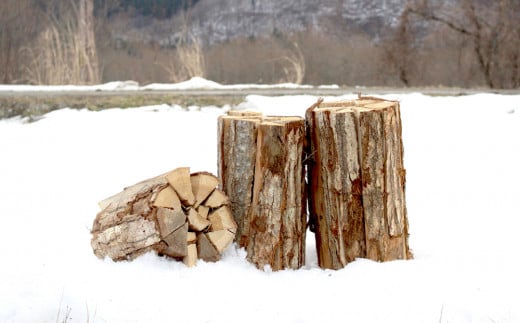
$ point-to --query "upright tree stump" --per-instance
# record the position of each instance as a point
(357, 181)
(260, 167)
(237, 134)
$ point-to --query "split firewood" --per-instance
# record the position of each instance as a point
(216, 199)
(174, 214)
(205, 249)
(191, 259)
(196, 222)
(222, 219)
(203, 211)
(202, 185)
(180, 180)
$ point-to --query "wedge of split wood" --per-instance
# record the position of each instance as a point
(180, 215)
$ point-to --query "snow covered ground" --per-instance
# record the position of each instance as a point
(196, 83)
(462, 156)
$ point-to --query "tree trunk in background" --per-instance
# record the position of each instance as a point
(260, 167)
(356, 181)
(90, 65)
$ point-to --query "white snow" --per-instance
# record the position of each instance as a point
(462, 156)
(195, 83)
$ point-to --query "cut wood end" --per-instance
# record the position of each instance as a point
(221, 239)
(336, 104)
(222, 219)
(203, 211)
(196, 222)
(179, 179)
(205, 249)
(281, 121)
(216, 199)
(177, 242)
(202, 185)
(381, 105)
(242, 113)
(191, 237)
(251, 119)
(167, 198)
(362, 104)
(169, 220)
(191, 258)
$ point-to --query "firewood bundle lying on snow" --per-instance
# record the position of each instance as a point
(177, 214)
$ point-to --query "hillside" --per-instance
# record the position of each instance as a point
(217, 21)
(457, 43)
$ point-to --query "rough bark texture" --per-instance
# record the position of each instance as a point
(236, 165)
(278, 212)
(384, 176)
(260, 168)
(356, 181)
(150, 216)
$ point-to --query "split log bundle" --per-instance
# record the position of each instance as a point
(177, 214)
(357, 181)
(260, 168)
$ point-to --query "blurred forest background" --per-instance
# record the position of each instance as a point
(463, 43)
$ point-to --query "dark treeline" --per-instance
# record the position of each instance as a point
(160, 9)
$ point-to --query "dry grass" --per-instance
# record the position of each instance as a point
(186, 61)
(59, 56)
(294, 68)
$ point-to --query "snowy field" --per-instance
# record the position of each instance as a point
(462, 156)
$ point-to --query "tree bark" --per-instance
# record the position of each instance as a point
(384, 177)
(90, 68)
(278, 211)
(356, 181)
(167, 214)
(237, 134)
(260, 168)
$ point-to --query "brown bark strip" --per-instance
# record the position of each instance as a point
(236, 166)
(278, 217)
(336, 187)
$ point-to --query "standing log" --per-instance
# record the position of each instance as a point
(260, 168)
(335, 195)
(236, 164)
(384, 176)
(167, 214)
(356, 181)
(278, 211)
